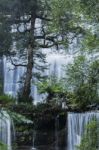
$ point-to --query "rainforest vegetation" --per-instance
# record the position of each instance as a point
(29, 29)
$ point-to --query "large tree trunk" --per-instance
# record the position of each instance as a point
(28, 76)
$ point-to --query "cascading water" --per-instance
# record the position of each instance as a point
(5, 129)
(76, 126)
(12, 77)
(34, 137)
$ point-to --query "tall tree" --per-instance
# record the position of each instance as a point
(38, 24)
(27, 34)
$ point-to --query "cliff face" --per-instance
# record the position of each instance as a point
(52, 127)
(48, 131)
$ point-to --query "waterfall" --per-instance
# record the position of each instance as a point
(12, 76)
(34, 137)
(5, 129)
(76, 125)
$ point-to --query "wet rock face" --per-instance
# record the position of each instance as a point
(50, 140)
(47, 133)
(55, 140)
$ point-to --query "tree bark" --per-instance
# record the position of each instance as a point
(28, 76)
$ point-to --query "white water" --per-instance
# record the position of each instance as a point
(5, 129)
(12, 77)
(34, 137)
(76, 125)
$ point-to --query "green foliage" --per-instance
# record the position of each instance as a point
(90, 138)
(53, 88)
(90, 9)
(50, 88)
(18, 118)
(85, 95)
(63, 13)
(7, 103)
(77, 72)
(66, 20)
(3, 146)
(5, 36)
(91, 40)
(6, 100)
(83, 81)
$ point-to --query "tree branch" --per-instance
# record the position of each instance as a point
(17, 65)
(43, 18)
(46, 45)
